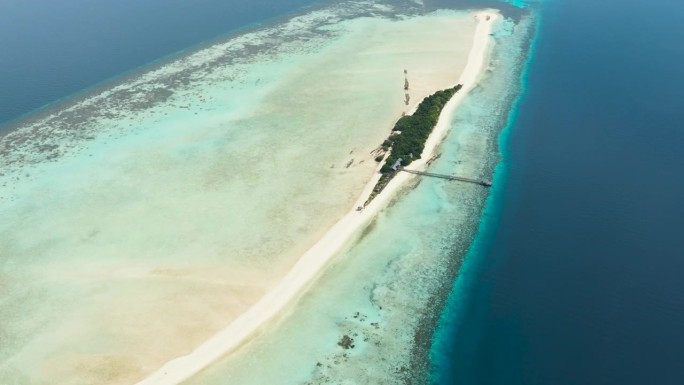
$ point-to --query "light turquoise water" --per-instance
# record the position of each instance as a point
(468, 275)
(518, 3)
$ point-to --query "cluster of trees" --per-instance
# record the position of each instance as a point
(411, 132)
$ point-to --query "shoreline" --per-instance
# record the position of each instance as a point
(312, 263)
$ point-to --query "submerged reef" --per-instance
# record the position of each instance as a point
(426, 235)
(372, 316)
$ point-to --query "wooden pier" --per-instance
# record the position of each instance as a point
(481, 182)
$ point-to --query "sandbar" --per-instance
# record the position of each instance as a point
(316, 258)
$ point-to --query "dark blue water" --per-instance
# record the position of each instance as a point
(52, 49)
(578, 277)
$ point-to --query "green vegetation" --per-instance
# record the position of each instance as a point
(410, 134)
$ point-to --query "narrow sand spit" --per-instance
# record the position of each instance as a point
(316, 258)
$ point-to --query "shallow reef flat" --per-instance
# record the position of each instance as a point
(140, 220)
(370, 316)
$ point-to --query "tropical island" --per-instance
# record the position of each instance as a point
(407, 140)
(193, 219)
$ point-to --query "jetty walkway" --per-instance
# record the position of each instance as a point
(481, 182)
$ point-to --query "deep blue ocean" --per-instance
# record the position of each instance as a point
(54, 49)
(577, 273)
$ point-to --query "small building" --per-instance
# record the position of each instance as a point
(396, 165)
